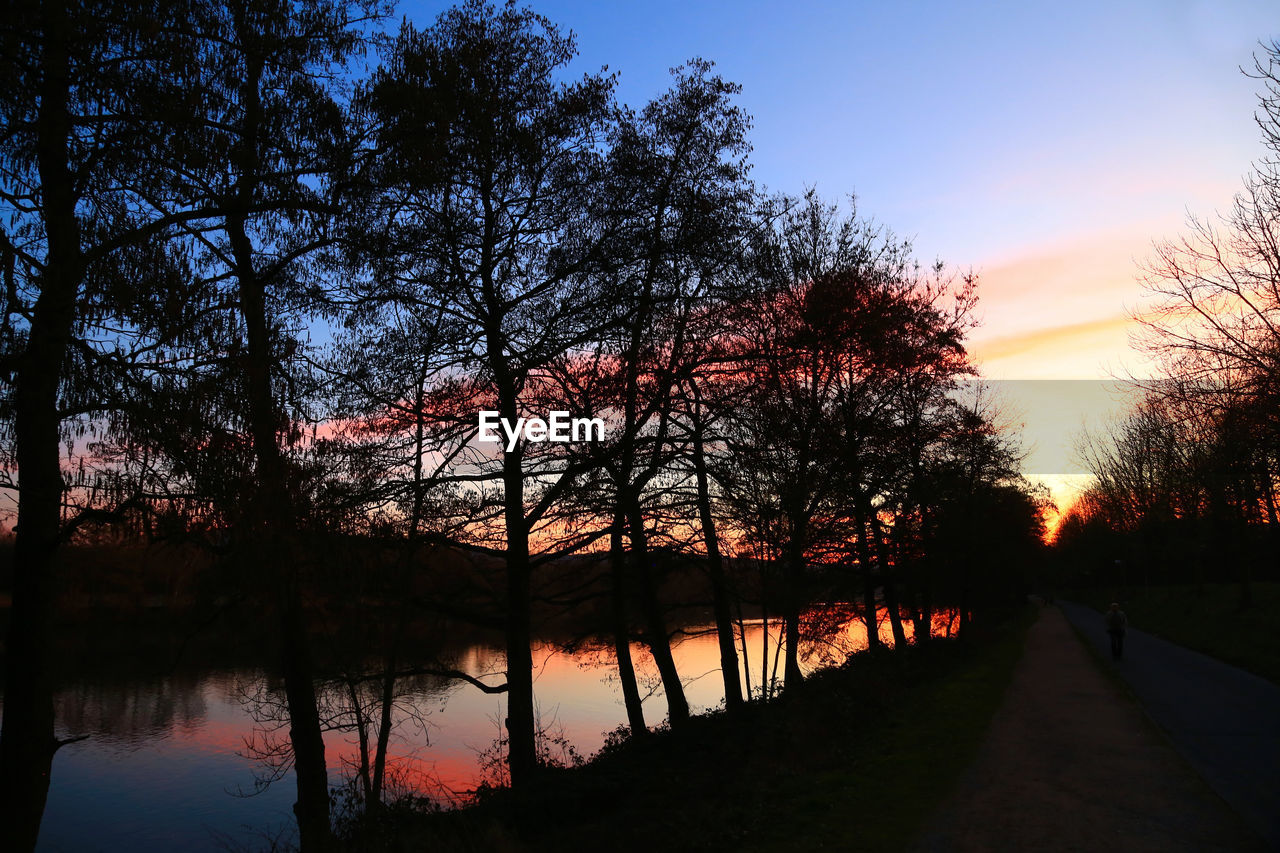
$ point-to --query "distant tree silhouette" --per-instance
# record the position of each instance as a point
(1189, 480)
(986, 523)
(1184, 490)
(850, 355)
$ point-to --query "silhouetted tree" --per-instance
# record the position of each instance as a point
(88, 273)
(904, 328)
(275, 158)
(678, 188)
(494, 169)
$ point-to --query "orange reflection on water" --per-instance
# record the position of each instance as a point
(445, 741)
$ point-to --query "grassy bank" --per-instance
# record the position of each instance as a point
(858, 758)
(1212, 619)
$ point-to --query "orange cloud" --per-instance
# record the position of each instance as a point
(1087, 349)
(1051, 338)
(1060, 310)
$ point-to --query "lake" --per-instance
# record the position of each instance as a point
(166, 763)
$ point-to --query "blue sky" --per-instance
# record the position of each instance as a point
(977, 128)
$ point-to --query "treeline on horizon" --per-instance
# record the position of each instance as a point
(265, 263)
(1185, 487)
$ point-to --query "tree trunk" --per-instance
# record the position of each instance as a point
(521, 724)
(887, 583)
(27, 741)
(522, 749)
(656, 636)
(719, 585)
(892, 605)
(374, 803)
(794, 568)
(766, 689)
(869, 615)
(622, 631)
(362, 738)
(921, 614)
(742, 644)
(272, 515)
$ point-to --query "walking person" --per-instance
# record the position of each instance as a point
(1116, 622)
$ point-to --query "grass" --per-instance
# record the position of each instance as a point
(857, 759)
(1211, 619)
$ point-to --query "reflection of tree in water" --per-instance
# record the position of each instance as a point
(131, 712)
(268, 741)
(384, 716)
(825, 638)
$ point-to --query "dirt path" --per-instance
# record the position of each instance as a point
(1071, 763)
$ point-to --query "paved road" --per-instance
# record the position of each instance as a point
(1224, 721)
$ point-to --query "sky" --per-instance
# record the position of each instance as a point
(1044, 146)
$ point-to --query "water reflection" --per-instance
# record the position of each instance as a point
(166, 764)
(132, 712)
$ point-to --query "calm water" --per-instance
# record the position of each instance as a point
(167, 765)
